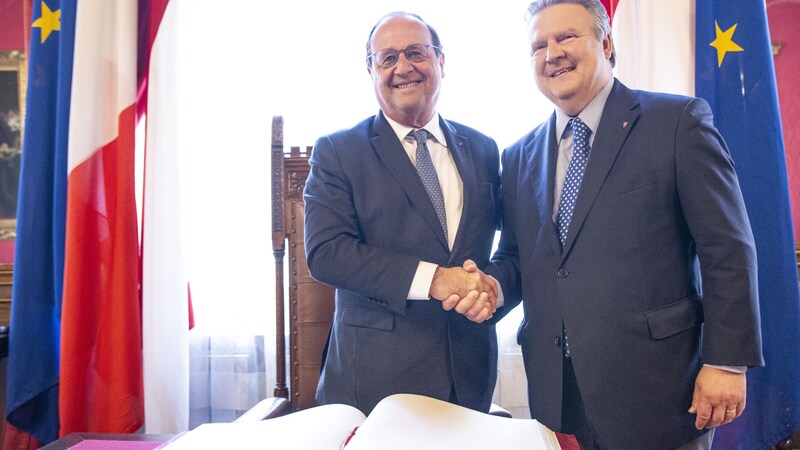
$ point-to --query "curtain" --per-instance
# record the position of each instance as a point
(228, 374)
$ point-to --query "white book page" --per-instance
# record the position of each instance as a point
(320, 428)
(406, 421)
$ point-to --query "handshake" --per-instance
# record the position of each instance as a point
(466, 289)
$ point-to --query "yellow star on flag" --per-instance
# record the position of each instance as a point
(724, 43)
(49, 21)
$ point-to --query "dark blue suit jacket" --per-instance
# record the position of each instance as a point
(368, 224)
(657, 276)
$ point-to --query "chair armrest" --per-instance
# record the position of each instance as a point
(269, 408)
(497, 410)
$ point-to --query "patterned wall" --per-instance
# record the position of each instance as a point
(784, 15)
(11, 25)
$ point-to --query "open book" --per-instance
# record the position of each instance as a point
(401, 421)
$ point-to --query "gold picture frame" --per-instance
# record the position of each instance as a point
(13, 83)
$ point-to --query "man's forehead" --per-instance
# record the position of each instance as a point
(410, 29)
(552, 28)
(399, 25)
(566, 21)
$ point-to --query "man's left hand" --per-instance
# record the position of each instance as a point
(719, 397)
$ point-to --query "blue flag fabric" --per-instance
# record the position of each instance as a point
(735, 73)
(32, 390)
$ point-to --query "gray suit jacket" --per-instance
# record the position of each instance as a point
(657, 276)
(368, 224)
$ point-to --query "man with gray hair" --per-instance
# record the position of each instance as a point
(625, 237)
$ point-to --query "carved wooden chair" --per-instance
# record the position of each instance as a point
(310, 304)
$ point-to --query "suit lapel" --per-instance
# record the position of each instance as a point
(462, 155)
(541, 154)
(618, 118)
(390, 151)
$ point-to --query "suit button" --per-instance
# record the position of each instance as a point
(562, 273)
(557, 341)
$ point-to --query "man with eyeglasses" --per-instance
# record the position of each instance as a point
(393, 207)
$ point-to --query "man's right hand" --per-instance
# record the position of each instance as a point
(467, 290)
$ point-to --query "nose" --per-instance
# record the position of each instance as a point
(554, 51)
(403, 64)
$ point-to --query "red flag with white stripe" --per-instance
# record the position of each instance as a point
(101, 359)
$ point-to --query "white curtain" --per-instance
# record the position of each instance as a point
(250, 60)
(228, 375)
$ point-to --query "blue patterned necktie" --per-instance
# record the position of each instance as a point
(572, 184)
(427, 174)
(575, 171)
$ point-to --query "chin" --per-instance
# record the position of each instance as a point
(560, 96)
(558, 89)
(407, 104)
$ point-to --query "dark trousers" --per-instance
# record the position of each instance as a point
(574, 420)
(573, 416)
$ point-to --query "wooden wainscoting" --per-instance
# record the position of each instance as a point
(6, 272)
(797, 252)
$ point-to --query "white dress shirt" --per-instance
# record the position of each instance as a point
(452, 191)
(590, 115)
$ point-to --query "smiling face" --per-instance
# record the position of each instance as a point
(570, 63)
(407, 92)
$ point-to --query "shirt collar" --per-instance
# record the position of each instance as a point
(590, 115)
(432, 127)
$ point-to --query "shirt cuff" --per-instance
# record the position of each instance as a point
(421, 284)
(734, 369)
(500, 298)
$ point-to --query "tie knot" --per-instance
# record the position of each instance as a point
(579, 128)
(420, 135)
(580, 135)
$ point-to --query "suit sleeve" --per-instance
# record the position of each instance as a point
(714, 210)
(505, 266)
(335, 252)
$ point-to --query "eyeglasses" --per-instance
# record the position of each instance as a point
(388, 57)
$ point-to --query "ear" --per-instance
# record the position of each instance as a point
(607, 46)
(441, 64)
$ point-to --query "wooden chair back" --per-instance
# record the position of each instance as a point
(309, 303)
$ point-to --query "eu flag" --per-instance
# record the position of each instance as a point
(32, 390)
(735, 73)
